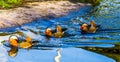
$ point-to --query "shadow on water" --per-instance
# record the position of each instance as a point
(105, 15)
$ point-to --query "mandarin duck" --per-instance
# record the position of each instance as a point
(48, 33)
(58, 32)
(27, 43)
(13, 40)
(88, 28)
(14, 44)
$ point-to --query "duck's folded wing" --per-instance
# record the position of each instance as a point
(64, 29)
(54, 30)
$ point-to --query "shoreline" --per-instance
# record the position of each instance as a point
(113, 52)
(31, 11)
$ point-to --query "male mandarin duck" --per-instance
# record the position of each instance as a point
(13, 40)
(48, 32)
(27, 43)
(86, 28)
(58, 32)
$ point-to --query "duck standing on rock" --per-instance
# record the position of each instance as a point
(88, 28)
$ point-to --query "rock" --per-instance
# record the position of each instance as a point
(33, 10)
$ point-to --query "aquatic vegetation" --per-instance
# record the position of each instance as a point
(107, 9)
(113, 52)
(8, 33)
(3, 34)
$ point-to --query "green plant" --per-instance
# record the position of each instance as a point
(3, 4)
(9, 3)
(13, 1)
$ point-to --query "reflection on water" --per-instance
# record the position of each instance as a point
(13, 51)
(107, 15)
(64, 55)
(58, 56)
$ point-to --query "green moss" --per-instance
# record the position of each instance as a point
(114, 56)
(3, 41)
(117, 43)
(17, 32)
(118, 2)
(3, 34)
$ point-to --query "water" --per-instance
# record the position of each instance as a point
(106, 14)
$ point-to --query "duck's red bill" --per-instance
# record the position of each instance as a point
(81, 27)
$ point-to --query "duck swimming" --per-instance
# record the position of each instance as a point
(15, 44)
(13, 40)
(88, 28)
(58, 32)
(27, 43)
(48, 33)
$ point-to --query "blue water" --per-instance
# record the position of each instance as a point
(64, 54)
(106, 14)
